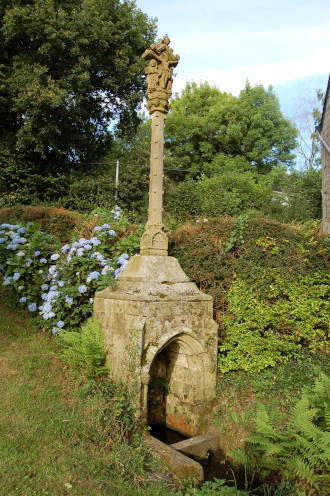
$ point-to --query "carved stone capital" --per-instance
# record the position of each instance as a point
(158, 100)
(154, 241)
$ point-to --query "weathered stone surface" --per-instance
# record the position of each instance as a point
(326, 165)
(161, 62)
(159, 71)
(175, 335)
(158, 327)
(198, 446)
(154, 240)
(179, 465)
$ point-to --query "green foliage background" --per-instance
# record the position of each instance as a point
(208, 129)
(269, 282)
(66, 70)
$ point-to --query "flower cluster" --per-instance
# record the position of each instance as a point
(21, 263)
(60, 283)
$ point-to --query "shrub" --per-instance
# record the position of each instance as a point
(232, 194)
(22, 180)
(62, 285)
(89, 192)
(97, 190)
(24, 260)
(261, 331)
(267, 261)
(85, 350)
(297, 450)
(185, 201)
(56, 221)
(224, 194)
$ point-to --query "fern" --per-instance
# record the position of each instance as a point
(85, 350)
(299, 450)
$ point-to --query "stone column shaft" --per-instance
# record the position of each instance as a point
(154, 241)
(155, 212)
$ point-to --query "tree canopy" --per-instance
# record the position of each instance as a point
(67, 68)
(208, 129)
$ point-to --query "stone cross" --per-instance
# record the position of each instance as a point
(159, 71)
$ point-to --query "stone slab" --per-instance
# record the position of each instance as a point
(179, 465)
(197, 446)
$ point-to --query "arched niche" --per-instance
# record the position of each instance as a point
(181, 382)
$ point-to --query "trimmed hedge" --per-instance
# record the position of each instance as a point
(264, 264)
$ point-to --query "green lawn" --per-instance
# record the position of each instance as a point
(55, 438)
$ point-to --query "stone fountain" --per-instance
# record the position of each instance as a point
(154, 307)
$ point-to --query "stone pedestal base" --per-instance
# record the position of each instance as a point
(159, 319)
(326, 225)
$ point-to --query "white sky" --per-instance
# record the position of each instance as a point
(226, 42)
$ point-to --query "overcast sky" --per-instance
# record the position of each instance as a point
(227, 41)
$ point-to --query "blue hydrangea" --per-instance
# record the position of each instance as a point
(105, 270)
(93, 276)
(68, 299)
(52, 295)
(32, 307)
(122, 258)
(7, 281)
(49, 315)
(95, 241)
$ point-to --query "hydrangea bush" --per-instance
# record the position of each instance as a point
(58, 282)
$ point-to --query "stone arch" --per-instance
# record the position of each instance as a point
(177, 378)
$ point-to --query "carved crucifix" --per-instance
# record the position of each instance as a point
(159, 71)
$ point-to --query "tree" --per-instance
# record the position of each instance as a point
(307, 117)
(67, 68)
(208, 129)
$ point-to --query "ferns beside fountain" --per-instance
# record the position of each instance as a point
(299, 450)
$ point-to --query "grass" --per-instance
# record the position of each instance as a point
(64, 434)
(55, 438)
